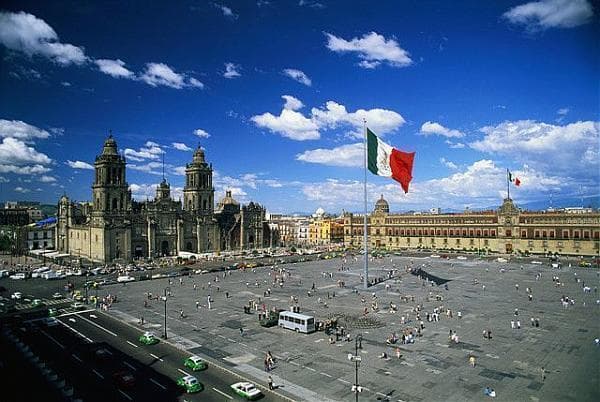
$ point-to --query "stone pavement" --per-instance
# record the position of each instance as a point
(431, 369)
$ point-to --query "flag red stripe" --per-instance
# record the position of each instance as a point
(401, 164)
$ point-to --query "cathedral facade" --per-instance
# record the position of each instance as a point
(114, 227)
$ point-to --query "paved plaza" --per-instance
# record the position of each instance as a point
(555, 361)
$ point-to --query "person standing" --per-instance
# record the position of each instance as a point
(472, 361)
(271, 383)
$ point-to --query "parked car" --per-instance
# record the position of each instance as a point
(16, 296)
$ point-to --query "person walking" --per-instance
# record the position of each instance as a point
(472, 361)
(271, 383)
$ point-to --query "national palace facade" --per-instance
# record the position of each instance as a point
(507, 230)
(114, 227)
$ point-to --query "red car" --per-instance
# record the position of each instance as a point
(124, 379)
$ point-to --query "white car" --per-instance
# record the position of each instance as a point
(246, 390)
(18, 276)
(16, 296)
(125, 278)
(537, 262)
(461, 257)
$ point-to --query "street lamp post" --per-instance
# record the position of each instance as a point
(356, 388)
(165, 300)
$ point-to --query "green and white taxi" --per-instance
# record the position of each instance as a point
(190, 383)
(195, 363)
(246, 390)
(148, 338)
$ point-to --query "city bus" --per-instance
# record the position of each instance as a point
(297, 322)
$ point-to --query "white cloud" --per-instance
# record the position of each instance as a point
(150, 150)
(114, 68)
(289, 124)
(181, 146)
(4, 180)
(292, 103)
(161, 74)
(568, 149)
(24, 170)
(16, 152)
(227, 11)
(298, 76)
(350, 155)
(150, 167)
(429, 128)
(455, 145)
(21, 130)
(231, 71)
(480, 185)
(201, 133)
(26, 33)
(22, 190)
(294, 125)
(47, 179)
(380, 121)
(142, 191)
(178, 170)
(448, 164)
(372, 49)
(544, 14)
(563, 111)
(65, 84)
(79, 165)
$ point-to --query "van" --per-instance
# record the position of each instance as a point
(297, 322)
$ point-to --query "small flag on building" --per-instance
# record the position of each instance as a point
(513, 179)
(384, 160)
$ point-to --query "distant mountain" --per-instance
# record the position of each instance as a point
(48, 209)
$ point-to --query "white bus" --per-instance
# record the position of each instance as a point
(297, 322)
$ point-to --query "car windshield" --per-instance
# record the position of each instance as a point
(192, 381)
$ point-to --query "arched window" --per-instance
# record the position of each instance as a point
(205, 205)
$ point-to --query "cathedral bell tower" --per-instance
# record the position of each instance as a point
(110, 193)
(198, 193)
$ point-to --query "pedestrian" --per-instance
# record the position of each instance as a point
(398, 354)
(543, 374)
(197, 305)
(518, 324)
(472, 361)
(241, 331)
(270, 383)
(512, 325)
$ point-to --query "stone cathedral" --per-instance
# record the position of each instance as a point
(114, 227)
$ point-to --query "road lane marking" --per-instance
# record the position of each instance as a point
(326, 375)
(132, 344)
(54, 340)
(99, 326)
(98, 374)
(93, 316)
(181, 371)
(72, 319)
(76, 312)
(77, 357)
(77, 332)
(310, 368)
(156, 357)
(344, 381)
(157, 383)
(125, 395)
(129, 365)
(222, 393)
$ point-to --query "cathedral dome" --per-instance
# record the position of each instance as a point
(110, 146)
(228, 199)
(382, 205)
(199, 155)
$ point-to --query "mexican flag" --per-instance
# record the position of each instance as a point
(513, 179)
(384, 160)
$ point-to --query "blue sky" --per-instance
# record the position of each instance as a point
(276, 93)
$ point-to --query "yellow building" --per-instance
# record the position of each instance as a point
(507, 230)
(325, 231)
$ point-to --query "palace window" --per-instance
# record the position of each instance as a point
(523, 233)
(537, 234)
(552, 234)
(508, 232)
(493, 233)
(586, 235)
(565, 234)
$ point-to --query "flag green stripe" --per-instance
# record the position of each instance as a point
(372, 152)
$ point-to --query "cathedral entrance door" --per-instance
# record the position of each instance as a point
(164, 247)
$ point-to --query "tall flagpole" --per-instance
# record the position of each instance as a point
(508, 183)
(366, 237)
